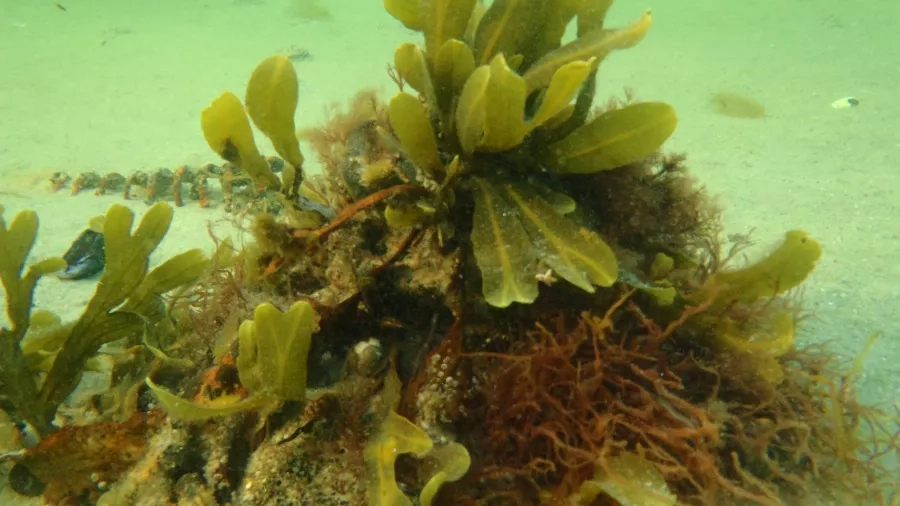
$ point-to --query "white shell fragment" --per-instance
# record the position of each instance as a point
(845, 103)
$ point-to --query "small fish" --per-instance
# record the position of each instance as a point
(60, 7)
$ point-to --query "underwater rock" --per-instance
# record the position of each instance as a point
(82, 460)
(85, 257)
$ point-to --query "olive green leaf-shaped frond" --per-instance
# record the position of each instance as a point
(273, 350)
(271, 362)
(502, 98)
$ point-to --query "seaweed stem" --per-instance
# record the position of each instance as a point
(350, 211)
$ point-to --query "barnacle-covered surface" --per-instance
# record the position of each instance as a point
(497, 293)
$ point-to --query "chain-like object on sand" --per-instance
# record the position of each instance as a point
(165, 182)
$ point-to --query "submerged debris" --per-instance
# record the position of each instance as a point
(236, 191)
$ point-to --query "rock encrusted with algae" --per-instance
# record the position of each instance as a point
(83, 460)
(395, 333)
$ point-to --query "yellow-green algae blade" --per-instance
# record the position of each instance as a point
(614, 138)
(16, 243)
(127, 254)
(180, 270)
(577, 254)
(443, 20)
(397, 436)
(227, 131)
(772, 337)
(452, 463)
(188, 411)
(271, 101)
(470, 111)
(525, 28)
(562, 203)
(549, 21)
(564, 85)
(453, 66)
(631, 480)
(409, 60)
(591, 14)
(504, 104)
(502, 249)
(46, 333)
(502, 29)
(781, 270)
(474, 22)
(405, 11)
(597, 44)
(127, 260)
(274, 347)
(410, 122)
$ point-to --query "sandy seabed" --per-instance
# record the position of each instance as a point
(118, 86)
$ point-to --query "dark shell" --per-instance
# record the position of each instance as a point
(85, 257)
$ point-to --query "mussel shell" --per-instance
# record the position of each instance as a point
(85, 257)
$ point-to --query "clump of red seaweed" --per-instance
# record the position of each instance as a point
(576, 392)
